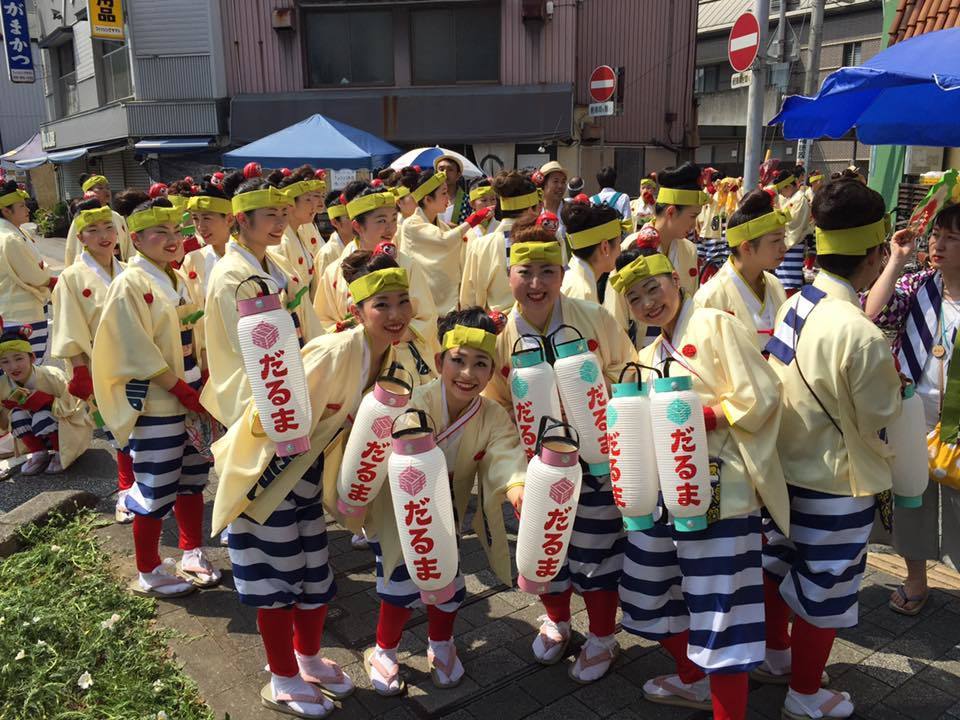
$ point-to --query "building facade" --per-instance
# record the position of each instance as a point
(130, 109)
(851, 36)
(505, 81)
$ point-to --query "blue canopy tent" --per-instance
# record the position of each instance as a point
(318, 141)
(908, 94)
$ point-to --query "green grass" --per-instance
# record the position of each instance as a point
(57, 598)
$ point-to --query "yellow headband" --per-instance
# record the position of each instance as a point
(432, 183)
(92, 182)
(178, 201)
(481, 192)
(206, 203)
(675, 196)
(86, 218)
(645, 266)
(335, 211)
(400, 191)
(815, 178)
(528, 253)
(379, 281)
(758, 227)
(13, 198)
(647, 182)
(521, 202)
(258, 199)
(851, 241)
(476, 338)
(367, 203)
(303, 187)
(595, 235)
(154, 216)
(778, 186)
(18, 345)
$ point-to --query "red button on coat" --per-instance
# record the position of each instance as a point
(300, 261)
(86, 292)
(693, 272)
(148, 297)
(192, 275)
(592, 344)
(689, 351)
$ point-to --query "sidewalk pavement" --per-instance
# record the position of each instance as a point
(894, 666)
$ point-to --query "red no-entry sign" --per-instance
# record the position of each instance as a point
(744, 42)
(603, 83)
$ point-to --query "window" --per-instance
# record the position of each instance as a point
(67, 98)
(349, 48)
(115, 70)
(851, 54)
(705, 79)
(451, 45)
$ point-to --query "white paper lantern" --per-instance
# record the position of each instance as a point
(533, 389)
(683, 462)
(364, 466)
(908, 439)
(633, 459)
(549, 508)
(271, 359)
(583, 393)
(420, 489)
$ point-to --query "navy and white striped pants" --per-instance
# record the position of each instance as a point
(285, 561)
(709, 582)
(820, 566)
(401, 591)
(790, 270)
(23, 422)
(595, 558)
(164, 465)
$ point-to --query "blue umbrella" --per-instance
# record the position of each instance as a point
(909, 94)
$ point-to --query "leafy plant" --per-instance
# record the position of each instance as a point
(74, 644)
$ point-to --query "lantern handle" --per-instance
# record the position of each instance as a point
(636, 368)
(391, 374)
(552, 337)
(666, 366)
(546, 427)
(261, 281)
(426, 423)
(538, 339)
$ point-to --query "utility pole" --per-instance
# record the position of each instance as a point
(754, 139)
(811, 81)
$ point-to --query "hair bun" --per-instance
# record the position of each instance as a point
(252, 170)
(581, 199)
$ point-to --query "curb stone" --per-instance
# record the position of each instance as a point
(37, 510)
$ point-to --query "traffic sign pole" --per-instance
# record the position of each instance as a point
(754, 138)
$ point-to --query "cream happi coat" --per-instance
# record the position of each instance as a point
(847, 361)
(718, 353)
(24, 278)
(610, 343)
(728, 291)
(227, 390)
(296, 255)
(333, 300)
(683, 255)
(485, 280)
(330, 251)
(73, 246)
(74, 427)
(139, 339)
(77, 305)
(336, 367)
(437, 249)
(798, 227)
(579, 281)
(487, 449)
